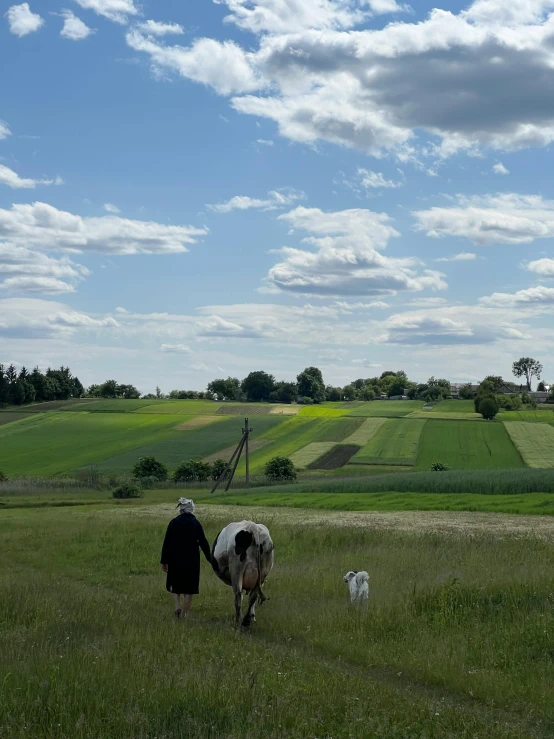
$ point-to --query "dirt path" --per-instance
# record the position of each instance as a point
(449, 522)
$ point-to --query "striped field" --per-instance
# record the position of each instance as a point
(366, 431)
(396, 443)
(534, 441)
(310, 453)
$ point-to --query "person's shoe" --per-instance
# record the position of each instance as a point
(178, 613)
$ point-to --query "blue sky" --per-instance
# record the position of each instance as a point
(203, 189)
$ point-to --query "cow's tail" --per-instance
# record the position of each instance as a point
(261, 596)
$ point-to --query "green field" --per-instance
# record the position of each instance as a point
(395, 443)
(534, 441)
(447, 647)
(327, 410)
(369, 427)
(546, 416)
(387, 408)
(9, 417)
(467, 445)
(454, 406)
(310, 453)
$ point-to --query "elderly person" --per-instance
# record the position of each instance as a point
(181, 556)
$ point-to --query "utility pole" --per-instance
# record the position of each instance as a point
(236, 457)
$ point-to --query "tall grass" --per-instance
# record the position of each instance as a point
(446, 648)
(484, 482)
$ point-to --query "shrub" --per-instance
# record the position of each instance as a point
(217, 468)
(280, 468)
(439, 467)
(306, 400)
(488, 407)
(3, 477)
(149, 467)
(193, 470)
(128, 490)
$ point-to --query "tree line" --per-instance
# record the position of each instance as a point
(20, 387)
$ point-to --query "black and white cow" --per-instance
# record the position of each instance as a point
(242, 557)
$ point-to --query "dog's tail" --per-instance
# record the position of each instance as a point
(362, 577)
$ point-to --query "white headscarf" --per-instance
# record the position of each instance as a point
(185, 505)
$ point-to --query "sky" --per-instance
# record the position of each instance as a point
(202, 189)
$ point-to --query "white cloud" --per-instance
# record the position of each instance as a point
(222, 65)
(499, 168)
(32, 318)
(156, 28)
(74, 28)
(492, 219)
(371, 179)
(539, 295)
(265, 142)
(345, 307)
(175, 348)
(275, 199)
(42, 226)
(24, 270)
(4, 130)
(115, 10)
(111, 208)
(342, 258)
(22, 20)
(215, 326)
(464, 256)
(12, 179)
(542, 267)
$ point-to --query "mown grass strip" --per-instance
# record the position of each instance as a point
(387, 408)
(310, 453)
(534, 441)
(366, 431)
(336, 457)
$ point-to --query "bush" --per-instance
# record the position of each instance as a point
(280, 468)
(439, 467)
(128, 490)
(306, 400)
(149, 467)
(193, 470)
(3, 477)
(488, 408)
(217, 468)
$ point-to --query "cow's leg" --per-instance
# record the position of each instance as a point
(251, 612)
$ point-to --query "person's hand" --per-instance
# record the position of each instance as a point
(164, 568)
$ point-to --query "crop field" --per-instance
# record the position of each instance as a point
(369, 427)
(467, 445)
(388, 408)
(322, 411)
(310, 453)
(242, 409)
(446, 647)
(9, 417)
(534, 441)
(395, 443)
(546, 416)
(336, 457)
(454, 406)
(118, 406)
(181, 445)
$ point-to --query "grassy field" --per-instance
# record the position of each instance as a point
(535, 442)
(181, 445)
(328, 410)
(447, 648)
(336, 457)
(454, 406)
(369, 427)
(467, 445)
(538, 416)
(396, 443)
(387, 408)
(9, 417)
(309, 453)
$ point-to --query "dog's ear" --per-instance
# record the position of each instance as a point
(355, 572)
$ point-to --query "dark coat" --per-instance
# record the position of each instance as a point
(181, 553)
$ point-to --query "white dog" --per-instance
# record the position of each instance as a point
(358, 586)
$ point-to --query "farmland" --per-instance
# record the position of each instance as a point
(387, 408)
(444, 650)
(467, 445)
(395, 443)
(535, 442)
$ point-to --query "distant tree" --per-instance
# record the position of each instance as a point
(397, 388)
(78, 390)
(310, 384)
(528, 368)
(333, 394)
(193, 470)
(217, 468)
(108, 389)
(258, 386)
(541, 387)
(495, 382)
(159, 393)
(3, 386)
(488, 407)
(465, 392)
(367, 393)
(350, 392)
(127, 391)
(149, 467)
(127, 490)
(93, 391)
(280, 468)
(228, 389)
